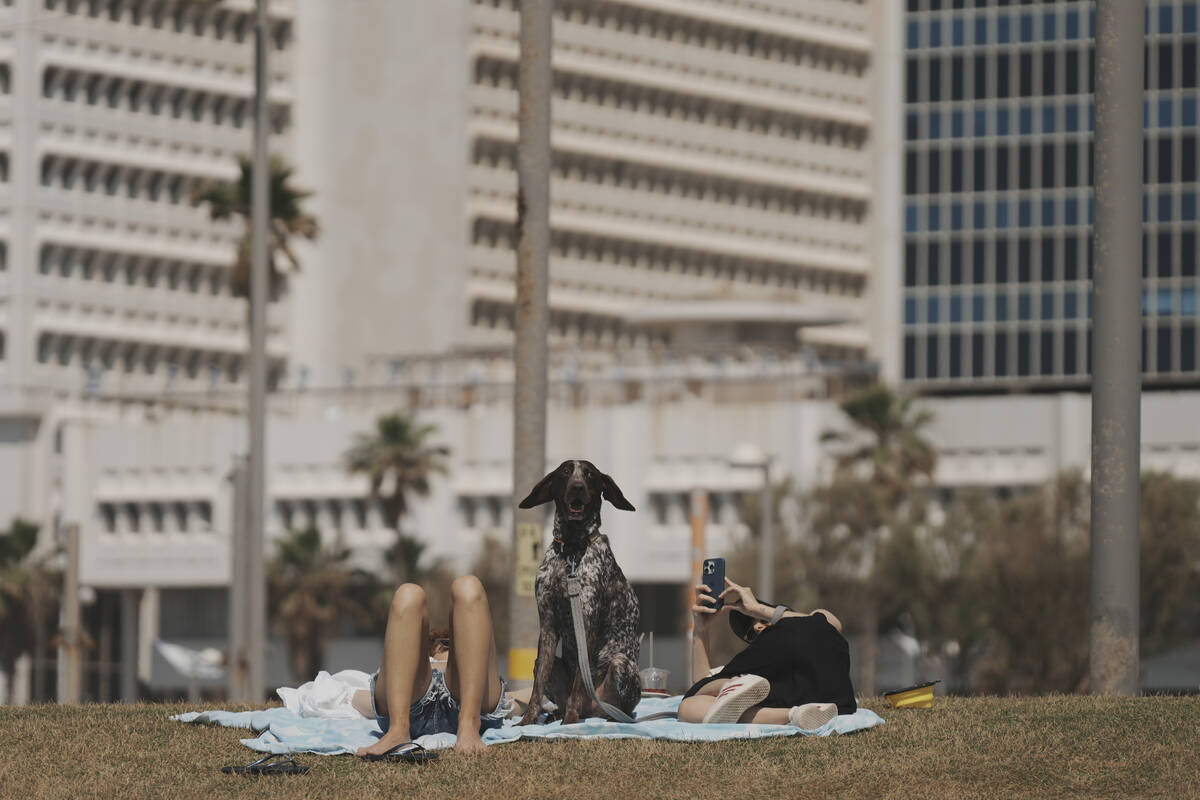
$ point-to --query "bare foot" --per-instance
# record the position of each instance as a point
(469, 743)
(389, 741)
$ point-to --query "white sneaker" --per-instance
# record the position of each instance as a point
(811, 716)
(738, 695)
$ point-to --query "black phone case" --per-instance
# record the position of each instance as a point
(714, 579)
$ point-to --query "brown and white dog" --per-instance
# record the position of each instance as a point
(610, 608)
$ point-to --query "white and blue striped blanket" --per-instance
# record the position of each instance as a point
(279, 730)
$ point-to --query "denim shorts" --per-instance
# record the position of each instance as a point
(437, 711)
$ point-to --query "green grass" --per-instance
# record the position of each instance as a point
(1052, 747)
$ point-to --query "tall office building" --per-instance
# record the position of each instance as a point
(998, 205)
(112, 281)
(712, 171)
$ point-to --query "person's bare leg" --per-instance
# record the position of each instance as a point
(693, 709)
(405, 672)
(472, 671)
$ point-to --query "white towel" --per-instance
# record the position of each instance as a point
(328, 696)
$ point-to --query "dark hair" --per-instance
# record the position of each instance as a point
(742, 625)
(437, 635)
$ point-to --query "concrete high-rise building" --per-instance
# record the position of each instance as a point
(713, 178)
(112, 280)
(998, 205)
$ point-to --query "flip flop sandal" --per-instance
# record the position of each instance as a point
(407, 753)
(265, 766)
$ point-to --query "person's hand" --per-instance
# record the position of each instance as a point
(703, 612)
(741, 598)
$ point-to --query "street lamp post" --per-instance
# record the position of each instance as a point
(750, 456)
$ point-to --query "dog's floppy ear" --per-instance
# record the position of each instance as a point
(540, 493)
(612, 493)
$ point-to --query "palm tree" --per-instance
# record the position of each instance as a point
(399, 461)
(886, 455)
(26, 590)
(227, 199)
(310, 589)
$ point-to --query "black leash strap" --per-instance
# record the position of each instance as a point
(585, 669)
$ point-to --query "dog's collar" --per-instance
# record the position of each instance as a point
(561, 546)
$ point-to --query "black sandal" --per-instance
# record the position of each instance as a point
(261, 767)
(407, 753)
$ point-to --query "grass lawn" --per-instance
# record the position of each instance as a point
(963, 747)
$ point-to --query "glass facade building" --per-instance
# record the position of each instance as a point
(998, 204)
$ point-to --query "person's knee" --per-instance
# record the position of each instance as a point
(467, 589)
(408, 597)
(833, 620)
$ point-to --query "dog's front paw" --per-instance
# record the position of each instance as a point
(530, 717)
(570, 718)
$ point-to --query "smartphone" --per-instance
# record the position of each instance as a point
(712, 575)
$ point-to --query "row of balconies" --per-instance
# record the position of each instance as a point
(214, 32)
(685, 202)
(679, 38)
(592, 271)
(137, 98)
(725, 132)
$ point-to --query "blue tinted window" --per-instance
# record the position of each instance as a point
(1187, 206)
(1048, 211)
(1024, 213)
(1027, 27)
(1048, 20)
(1145, 113)
(1002, 30)
(958, 32)
(1024, 306)
(911, 219)
(956, 308)
(956, 216)
(956, 124)
(1001, 308)
(1189, 18)
(1146, 302)
(981, 120)
(1091, 23)
(913, 40)
(1165, 109)
(910, 311)
(1047, 305)
(912, 127)
(935, 217)
(935, 33)
(1002, 122)
(1091, 115)
(1071, 211)
(980, 216)
(935, 125)
(1002, 214)
(1187, 301)
(1166, 19)
(1164, 301)
(1164, 208)
(1049, 113)
(931, 310)
(1187, 111)
(1071, 121)
(1091, 208)
(1071, 305)
(1025, 117)
(979, 307)
(1072, 24)
(1146, 28)
(981, 30)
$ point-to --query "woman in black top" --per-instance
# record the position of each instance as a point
(795, 669)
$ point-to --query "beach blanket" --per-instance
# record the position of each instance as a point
(282, 730)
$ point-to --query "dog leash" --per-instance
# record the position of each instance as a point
(574, 588)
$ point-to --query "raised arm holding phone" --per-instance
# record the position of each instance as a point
(794, 670)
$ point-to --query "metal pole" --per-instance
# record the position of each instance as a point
(72, 620)
(236, 668)
(765, 590)
(256, 599)
(534, 86)
(1116, 348)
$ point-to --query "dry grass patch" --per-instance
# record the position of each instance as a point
(964, 748)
